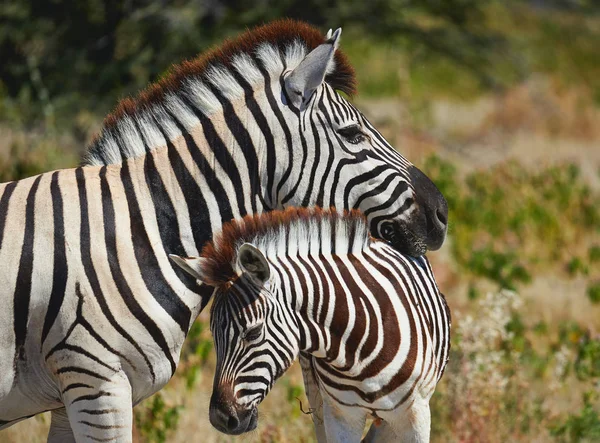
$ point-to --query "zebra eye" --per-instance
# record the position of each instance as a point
(353, 134)
(253, 333)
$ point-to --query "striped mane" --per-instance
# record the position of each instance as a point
(125, 132)
(294, 231)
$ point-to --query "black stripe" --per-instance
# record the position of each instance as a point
(244, 141)
(298, 268)
(288, 135)
(360, 180)
(223, 157)
(380, 188)
(95, 425)
(196, 204)
(75, 386)
(91, 437)
(146, 259)
(81, 321)
(79, 370)
(23, 284)
(292, 192)
(80, 350)
(98, 411)
(264, 127)
(248, 392)
(8, 190)
(330, 158)
(316, 158)
(92, 396)
(166, 219)
(257, 365)
(110, 236)
(400, 189)
(60, 267)
(335, 182)
(90, 272)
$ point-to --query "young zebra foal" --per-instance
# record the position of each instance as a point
(313, 282)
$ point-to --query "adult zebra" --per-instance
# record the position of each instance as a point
(371, 319)
(94, 313)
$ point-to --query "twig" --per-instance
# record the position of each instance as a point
(310, 410)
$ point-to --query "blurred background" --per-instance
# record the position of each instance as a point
(498, 101)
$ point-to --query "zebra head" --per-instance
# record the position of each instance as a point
(339, 159)
(266, 127)
(256, 338)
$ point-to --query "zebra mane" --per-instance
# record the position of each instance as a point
(290, 232)
(158, 112)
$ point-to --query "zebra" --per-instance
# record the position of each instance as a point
(372, 321)
(94, 313)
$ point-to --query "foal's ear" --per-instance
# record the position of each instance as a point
(311, 71)
(191, 265)
(252, 262)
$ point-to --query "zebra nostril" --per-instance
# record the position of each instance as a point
(442, 217)
(232, 422)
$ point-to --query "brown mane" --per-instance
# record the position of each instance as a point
(219, 255)
(279, 33)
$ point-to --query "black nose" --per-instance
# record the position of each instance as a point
(433, 207)
(226, 417)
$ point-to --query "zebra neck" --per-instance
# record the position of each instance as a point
(326, 307)
(311, 317)
(196, 183)
(160, 216)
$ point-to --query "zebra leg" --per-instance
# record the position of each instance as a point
(100, 411)
(343, 424)
(382, 432)
(311, 386)
(412, 425)
(60, 429)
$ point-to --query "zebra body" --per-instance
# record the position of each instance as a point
(81, 327)
(371, 321)
(87, 284)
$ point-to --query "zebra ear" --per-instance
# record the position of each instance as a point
(252, 262)
(191, 265)
(310, 73)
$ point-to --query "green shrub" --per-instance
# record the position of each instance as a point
(593, 292)
(508, 222)
(594, 254)
(156, 419)
(576, 266)
(195, 353)
(584, 426)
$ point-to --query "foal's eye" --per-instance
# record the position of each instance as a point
(253, 333)
(353, 134)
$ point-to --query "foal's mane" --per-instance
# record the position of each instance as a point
(280, 35)
(293, 231)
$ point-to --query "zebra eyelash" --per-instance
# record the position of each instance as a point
(352, 134)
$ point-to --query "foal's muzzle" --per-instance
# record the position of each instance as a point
(227, 417)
